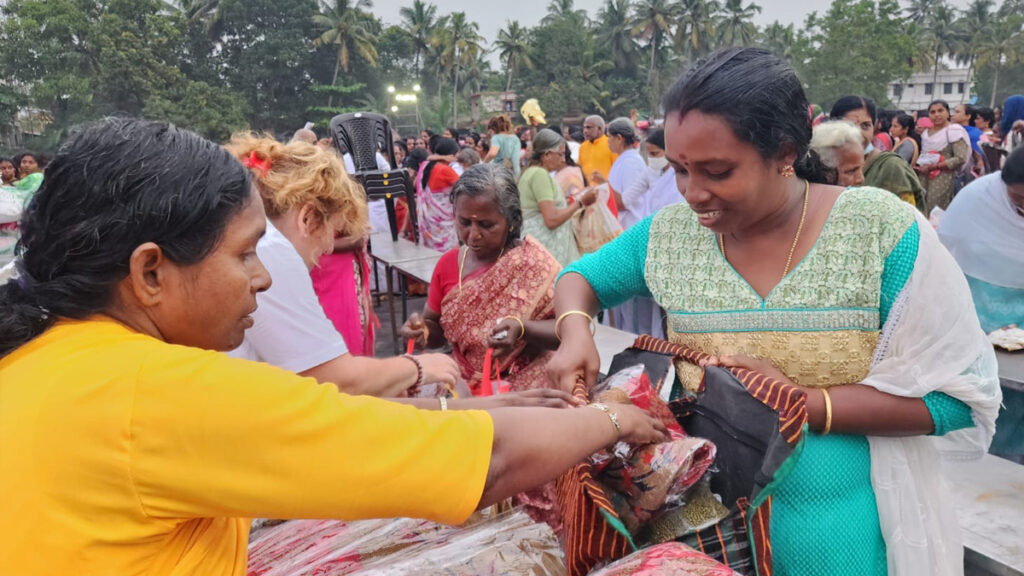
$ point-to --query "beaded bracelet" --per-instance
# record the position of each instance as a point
(419, 370)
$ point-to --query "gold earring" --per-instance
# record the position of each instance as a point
(787, 171)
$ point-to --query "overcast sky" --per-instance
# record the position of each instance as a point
(492, 14)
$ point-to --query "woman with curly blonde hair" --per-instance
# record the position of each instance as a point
(340, 275)
(312, 206)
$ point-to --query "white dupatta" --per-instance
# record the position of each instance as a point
(931, 341)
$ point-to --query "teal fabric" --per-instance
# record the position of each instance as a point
(616, 271)
(898, 266)
(997, 306)
(848, 539)
(509, 149)
(948, 413)
(1009, 439)
(827, 501)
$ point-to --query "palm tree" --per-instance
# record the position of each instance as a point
(418, 22)
(564, 9)
(779, 39)
(918, 11)
(652, 21)
(1004, 46)
(615, 30)
(944, 35)
(438, 53)
(921, 57)
(735, 27)
(349, 27)
(206, 12)
(976, 23)
(464, 44)
(513, 46)
(696, 30)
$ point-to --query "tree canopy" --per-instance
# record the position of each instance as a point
(218, 66)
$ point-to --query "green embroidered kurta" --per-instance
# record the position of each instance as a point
(820, 326)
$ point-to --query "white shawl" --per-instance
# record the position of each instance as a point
(931, 341)
(985, 234)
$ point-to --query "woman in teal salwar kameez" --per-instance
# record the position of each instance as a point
(845, 293)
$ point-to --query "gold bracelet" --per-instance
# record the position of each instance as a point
(828, 413)
(611, 416)
(444, 403)
(521, 326)
(558, 322)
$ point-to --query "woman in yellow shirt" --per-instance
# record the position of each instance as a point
(129, 446)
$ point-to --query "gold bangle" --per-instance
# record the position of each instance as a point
(521, 326)
(611, 416)
(558, 322)
(828, 413)
(444, 403)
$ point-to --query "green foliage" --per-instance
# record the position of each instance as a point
(209, 110)
(217, 66)
(852, 49)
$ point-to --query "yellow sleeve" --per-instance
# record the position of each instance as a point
(217, 436)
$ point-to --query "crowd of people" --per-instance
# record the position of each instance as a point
(187, 333)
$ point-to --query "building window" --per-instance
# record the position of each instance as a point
(910, 85)
(960, 88)
(947, 88)
(897, 90)
(928, 88)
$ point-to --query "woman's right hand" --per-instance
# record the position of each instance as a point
(439, 368)
(415, 329)
(589, 197)
(637, 427)
(576, 356)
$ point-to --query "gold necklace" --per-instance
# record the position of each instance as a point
(796, 240)
(462, 262)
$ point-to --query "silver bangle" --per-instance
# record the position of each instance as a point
(444, 403)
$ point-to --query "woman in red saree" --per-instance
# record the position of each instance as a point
(494, 291)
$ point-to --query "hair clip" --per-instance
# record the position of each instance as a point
(261, 165)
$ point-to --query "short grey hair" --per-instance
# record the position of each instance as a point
(498, 181)
(830, 137)
(623, 127)
(595, 119)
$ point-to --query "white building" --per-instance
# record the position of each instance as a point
(919, 90)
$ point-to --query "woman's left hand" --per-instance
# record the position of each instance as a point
(750, 363)
(504, 337)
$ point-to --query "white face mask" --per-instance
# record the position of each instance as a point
(657, 164)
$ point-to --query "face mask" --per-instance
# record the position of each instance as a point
(657, 164)
(869, 149)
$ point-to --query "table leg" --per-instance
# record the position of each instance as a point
(391, 310)
(403, 282)
(376, 279)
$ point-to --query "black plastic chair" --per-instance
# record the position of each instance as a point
(361, 135)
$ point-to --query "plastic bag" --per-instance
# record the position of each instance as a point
(595, 225)
(652, 478)
(333, 547)
(700, 509)
(508, 543)
(667, 558)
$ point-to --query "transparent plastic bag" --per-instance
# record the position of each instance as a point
(595, 225)
(699, 509)
(506, 543)
(333, 547)
(509, 543)
(647, 480)
(667, 558)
